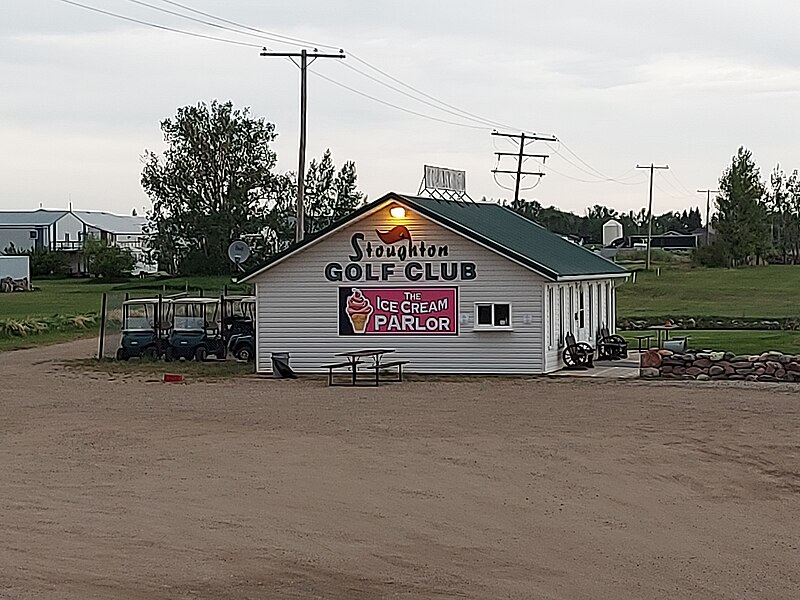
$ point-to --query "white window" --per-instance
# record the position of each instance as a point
(581, 309)
(492, 316)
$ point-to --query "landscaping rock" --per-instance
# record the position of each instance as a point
(716, 370)
(703, 377)
(651, 359)
(650, 372)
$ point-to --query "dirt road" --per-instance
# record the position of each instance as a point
(124, 488)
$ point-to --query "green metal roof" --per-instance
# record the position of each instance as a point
(513, 235)
(492, 225)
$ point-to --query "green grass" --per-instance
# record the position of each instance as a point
(46, 338)
(68, 297)
(737, 341)
(756, 292)
(83, 296)
(54, 297)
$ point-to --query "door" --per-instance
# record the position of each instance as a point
(582, 315)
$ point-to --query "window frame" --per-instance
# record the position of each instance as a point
(481, 327)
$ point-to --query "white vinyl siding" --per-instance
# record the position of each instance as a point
(298, 308)
(565, 316)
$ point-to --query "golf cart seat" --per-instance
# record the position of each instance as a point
(577, 355)
(611, 347)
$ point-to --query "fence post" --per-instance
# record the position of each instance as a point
(101, 343)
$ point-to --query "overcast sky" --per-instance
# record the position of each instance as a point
(682, 83)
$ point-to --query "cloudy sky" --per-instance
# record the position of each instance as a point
(682, 83)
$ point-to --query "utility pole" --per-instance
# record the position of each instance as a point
(652, 168)
(304, 57)
(523, 138)
(708, 208)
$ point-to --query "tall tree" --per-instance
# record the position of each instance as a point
(741, 221)
(330, 196)
(778, 201)
(207, 190)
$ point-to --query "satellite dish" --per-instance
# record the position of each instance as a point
(238, 252)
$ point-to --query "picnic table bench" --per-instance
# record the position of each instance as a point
(356, 360)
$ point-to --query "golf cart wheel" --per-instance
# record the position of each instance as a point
(569, 359)
(244, 353)
(150, 353)
(200, 353)
(122, 354)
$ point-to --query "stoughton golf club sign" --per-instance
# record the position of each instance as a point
(395, 254)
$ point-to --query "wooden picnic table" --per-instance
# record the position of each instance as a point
(356, 357)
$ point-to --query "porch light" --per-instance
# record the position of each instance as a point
(398, 212)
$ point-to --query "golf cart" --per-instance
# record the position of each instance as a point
(196, 332)
(238, 328)
(144, 328)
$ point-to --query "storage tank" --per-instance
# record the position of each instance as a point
(612, 230)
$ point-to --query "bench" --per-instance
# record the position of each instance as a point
(353, 366)
(640, 338)
(389, 365)
(340, 365)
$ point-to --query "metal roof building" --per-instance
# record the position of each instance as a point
(453, 287)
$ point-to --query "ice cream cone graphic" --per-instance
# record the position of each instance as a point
(359, 310)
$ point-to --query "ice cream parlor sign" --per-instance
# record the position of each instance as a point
(398, 311)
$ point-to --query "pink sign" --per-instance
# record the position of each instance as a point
(398, 311)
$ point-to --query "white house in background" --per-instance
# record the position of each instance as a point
(67, 230)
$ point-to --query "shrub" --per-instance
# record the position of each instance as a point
(712, 255)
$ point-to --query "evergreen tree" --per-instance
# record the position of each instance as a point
(741, 222)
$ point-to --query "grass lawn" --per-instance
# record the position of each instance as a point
(768, 292)
(738, 341)
(83, 296)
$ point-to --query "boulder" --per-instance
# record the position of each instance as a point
(768, 378)
(702, 363)
(651, 359)
(703, 377)
(666, 369)
(716, 370)
(665, 352)
(649, 372)
(741, 365)
(693, 371)
(780, 373)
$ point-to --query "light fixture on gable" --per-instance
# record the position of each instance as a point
(398, 212)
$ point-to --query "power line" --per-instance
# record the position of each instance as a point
(275, 37)
(262, 34)
(430, 97)
(395, 106)
(157, 26)
(456, 113)
(195, 20)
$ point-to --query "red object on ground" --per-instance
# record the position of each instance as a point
(170, 378)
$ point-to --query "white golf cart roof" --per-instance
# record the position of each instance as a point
(134, 301)
(196, 301)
